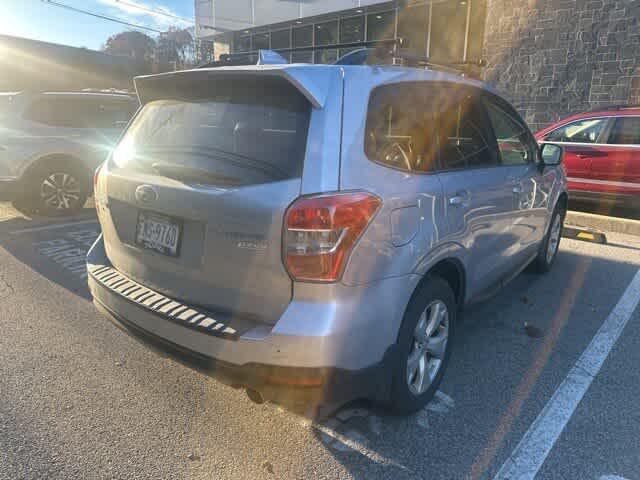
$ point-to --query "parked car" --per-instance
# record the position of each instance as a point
(311, 232)
(602, 154)
(51, 143)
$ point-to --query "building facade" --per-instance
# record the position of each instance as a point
(38, 66)
(549, 57)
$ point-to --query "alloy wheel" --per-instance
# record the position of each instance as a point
(60, 191)
(428, 347)
(554, 238)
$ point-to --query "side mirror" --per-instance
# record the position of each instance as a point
(551, 154)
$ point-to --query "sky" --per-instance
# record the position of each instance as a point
(42, 21)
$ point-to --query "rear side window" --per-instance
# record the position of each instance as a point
(625, 131)
(515, 143)
(81, 112)
(245, 130)
(428, 126)
(581, 131)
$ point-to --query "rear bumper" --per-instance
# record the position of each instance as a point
(298, 388)
(323, 353)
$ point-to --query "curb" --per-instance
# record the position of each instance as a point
(586, 235)
(603, 223)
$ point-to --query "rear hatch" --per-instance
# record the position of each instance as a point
(198, 187)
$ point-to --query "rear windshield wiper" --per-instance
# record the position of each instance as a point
(241, 161)
(194, 174)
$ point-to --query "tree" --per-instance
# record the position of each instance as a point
(131, 44)
(176, 45)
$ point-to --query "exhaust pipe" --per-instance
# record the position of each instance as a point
(255, 396)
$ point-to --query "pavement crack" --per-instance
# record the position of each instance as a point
(6, 290)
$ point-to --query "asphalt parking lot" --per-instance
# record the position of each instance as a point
(80, 399)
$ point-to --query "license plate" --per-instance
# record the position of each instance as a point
(159, 233)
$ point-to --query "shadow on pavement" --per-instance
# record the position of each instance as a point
(498, 380)
(499, 377)
(54, 248)
(605, 208)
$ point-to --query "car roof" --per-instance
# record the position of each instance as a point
(311, 78)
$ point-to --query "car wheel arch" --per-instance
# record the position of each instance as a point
(563, 201)
(450, 269)
(71, 159)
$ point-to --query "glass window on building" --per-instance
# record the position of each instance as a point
(281, 39)
(352, 29)
(302, 37)
(302, 57)
(381, 26)
(261, 41)
(326, 33)
(242, 43)
(413, 23)
(448, 30)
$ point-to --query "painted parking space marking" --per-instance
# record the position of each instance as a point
(343, 433)
(55, 226)
(70, 250)
(530, 454)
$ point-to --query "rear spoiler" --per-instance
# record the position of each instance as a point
(313, 81)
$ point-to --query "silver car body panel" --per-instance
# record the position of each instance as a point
(352, 323)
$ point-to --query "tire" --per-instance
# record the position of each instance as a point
(549, 247)
(55, 187)
(407, 394)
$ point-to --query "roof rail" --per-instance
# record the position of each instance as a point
(254, 57)
(612, 107)
(363, 53)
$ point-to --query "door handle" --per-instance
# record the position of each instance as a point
(517, 189)
(456, 201)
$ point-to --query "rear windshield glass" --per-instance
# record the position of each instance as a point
(238, 130)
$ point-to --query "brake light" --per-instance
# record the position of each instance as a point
(320, 233)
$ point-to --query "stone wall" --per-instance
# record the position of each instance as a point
(554, 57)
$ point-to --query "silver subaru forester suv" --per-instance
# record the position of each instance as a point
(310, 233)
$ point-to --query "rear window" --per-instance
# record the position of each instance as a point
(249, 130)
(428, 126)
(625, 131)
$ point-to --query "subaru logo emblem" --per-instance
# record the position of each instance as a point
(146, 194)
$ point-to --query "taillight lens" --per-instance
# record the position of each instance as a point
(320, 233)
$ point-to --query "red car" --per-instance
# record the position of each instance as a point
(602, 154)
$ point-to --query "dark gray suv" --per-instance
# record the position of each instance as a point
(312, 232)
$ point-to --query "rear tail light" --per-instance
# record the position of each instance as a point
(320, 233)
